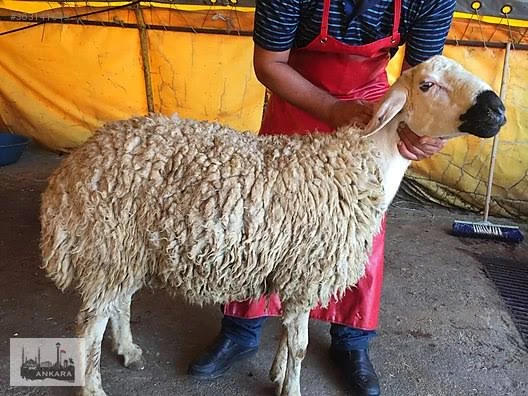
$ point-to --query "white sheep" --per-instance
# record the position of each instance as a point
(218, 216)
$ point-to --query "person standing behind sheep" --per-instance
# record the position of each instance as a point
(325, 64)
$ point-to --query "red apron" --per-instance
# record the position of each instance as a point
(347, 72)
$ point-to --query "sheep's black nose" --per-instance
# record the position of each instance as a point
(486, 117)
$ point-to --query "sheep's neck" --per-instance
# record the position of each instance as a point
(392, 165)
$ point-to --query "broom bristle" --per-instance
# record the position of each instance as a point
(487, 230)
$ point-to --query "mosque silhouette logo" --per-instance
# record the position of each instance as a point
(62, 369)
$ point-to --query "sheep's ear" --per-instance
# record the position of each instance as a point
(388, 108)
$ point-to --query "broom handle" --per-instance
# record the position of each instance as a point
(503, 89)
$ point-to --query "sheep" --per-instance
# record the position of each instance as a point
(216, 215)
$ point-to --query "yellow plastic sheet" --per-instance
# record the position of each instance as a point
(59, 82)
(206, 76)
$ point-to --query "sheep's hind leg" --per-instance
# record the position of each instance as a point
(278, 369)
(295, 321)
(122, 336)
(91, 326)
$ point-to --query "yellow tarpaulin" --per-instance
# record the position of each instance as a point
(59, 82)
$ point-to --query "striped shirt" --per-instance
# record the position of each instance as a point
(284, 24)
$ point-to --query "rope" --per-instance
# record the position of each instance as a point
(71, 18)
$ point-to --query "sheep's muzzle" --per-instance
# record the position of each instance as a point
(485, 118)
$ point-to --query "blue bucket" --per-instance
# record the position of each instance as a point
(11, 147)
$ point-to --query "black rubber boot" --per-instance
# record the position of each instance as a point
(219, 358)
(358, 370)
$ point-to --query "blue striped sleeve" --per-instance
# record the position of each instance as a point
(276, 23)
(426, 36)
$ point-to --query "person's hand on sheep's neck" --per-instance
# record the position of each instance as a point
(346, 112)
(411, 146)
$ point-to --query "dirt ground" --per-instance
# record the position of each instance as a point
(444, 329)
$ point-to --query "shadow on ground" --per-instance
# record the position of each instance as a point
(444, 329)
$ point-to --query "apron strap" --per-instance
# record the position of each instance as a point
(324, 22)
(396, 23)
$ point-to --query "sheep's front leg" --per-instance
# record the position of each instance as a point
(295, 321)
(122, 336)
(278, 369)
(91, 327)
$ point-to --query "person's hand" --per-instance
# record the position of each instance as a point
(345, 112)
(414, 147)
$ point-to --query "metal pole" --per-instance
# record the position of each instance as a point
(503, 90)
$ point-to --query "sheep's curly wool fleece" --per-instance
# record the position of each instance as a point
(210, 213)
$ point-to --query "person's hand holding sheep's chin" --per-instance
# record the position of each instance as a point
(416, 148)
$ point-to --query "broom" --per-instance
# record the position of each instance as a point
(485, 229)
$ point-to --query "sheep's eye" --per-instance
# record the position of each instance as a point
(426, 85)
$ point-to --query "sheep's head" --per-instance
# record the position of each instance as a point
(440, 98)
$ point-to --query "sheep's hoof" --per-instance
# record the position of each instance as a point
(136, 365)
(292, 393)
(133, 358)
(91, 392)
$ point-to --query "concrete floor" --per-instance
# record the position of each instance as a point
(444, 329)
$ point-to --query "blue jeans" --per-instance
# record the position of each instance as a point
(246, 332)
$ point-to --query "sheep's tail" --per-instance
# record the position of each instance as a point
(56, 260)
(55, 244)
